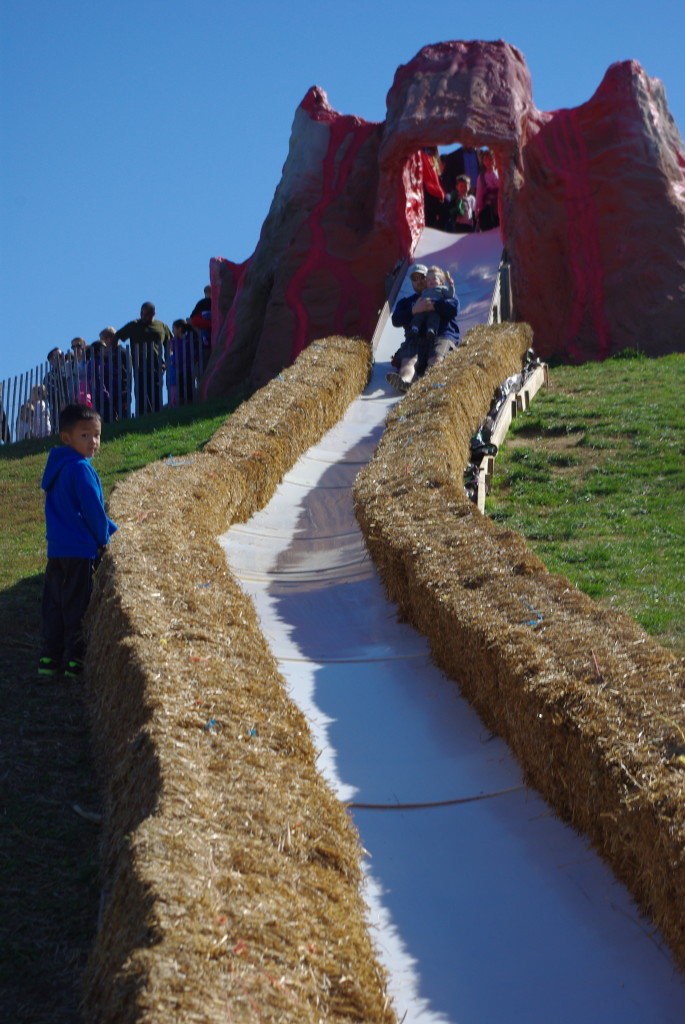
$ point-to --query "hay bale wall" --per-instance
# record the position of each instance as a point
(232, 874)
(592, 707)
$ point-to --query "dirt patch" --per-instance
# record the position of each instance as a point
(567, 454)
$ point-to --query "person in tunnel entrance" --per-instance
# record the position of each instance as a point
(487, 193)
(461, 214)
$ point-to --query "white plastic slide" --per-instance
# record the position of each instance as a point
(485, 912)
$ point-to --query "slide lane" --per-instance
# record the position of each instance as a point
(486, 911)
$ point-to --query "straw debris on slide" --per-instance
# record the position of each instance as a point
(231, 874)
(592, 707)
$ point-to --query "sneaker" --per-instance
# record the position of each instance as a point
(48, 666)
(431, 335)
(73, 668)
(397, 383)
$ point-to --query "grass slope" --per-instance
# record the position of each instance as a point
(48, 851)
(593, 476)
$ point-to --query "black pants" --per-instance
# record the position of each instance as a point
(66, 592)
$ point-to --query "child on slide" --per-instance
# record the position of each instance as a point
(439, 285)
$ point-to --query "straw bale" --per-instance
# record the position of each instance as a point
(232, 879)
(593, 708)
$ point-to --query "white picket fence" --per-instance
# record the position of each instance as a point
(120, 382)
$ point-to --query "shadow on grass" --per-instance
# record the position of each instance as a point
(49, 848)
(48, 851)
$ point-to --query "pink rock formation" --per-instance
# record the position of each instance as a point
(592, 204)
(596, 224)
(320, 264)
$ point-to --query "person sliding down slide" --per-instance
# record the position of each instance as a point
(430, 325)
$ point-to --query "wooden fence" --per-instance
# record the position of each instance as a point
(119, 381)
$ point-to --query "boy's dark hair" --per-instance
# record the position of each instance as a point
(72, 414)
(183, 323)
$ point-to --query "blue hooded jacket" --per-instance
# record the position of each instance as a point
(75, 518)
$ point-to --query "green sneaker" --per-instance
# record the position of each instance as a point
(73, 668)
(48, 666)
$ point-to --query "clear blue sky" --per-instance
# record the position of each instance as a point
(142, 138)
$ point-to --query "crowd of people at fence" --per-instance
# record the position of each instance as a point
(108, 377)
(461, 189)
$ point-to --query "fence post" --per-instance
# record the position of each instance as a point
(506, 311)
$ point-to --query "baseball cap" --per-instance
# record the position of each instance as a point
(418, 268)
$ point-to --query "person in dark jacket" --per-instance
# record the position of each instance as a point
(418, 352)
(149, 340)
(201, 321)
(77, 528)
(402, 314)
(55, 381)
(201, 316)
(116, 375)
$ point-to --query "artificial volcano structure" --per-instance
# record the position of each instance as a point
(592, 211)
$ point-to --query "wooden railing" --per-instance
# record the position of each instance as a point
(516, 401)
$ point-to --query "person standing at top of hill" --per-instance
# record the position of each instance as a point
(149, 340)
(78, 373)
(201, 315)
(201, 320)
(55, 381)
(116, 374)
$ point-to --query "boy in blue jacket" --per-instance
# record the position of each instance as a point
(77, 527)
